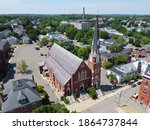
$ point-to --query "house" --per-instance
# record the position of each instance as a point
(145, 62)
(25, 39)
(121, 71)
(69, 74)
(4, 34)
(142, 52)
(4, 48)
(20, 30)
(20, 96)
(12, 40)
(144, 92)
(105, 43)
(105, 56)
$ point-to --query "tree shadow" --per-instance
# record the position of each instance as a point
(28, 71)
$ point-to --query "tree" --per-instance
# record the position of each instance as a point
(113, 79)
(22, 66)
(104, 35)
(79, 35)
(52, 108)
(120, 59)
(107, 65)
(113, 48)
(54, 40)
(127, 78)
(14, 34)
(92, 92)
(44, 41)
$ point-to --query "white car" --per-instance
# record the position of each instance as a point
(135, 96)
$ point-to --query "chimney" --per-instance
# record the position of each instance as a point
(83, 13)
(33, 78)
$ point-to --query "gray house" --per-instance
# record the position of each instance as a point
(20, 96)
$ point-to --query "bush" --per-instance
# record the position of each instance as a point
(92, 92)
(107, 65)
(52, 108)
(66, 101)
(40, 88)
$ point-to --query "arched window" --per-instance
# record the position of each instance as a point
(85, 74)
(79, 76)
(82, 74)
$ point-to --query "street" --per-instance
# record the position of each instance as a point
(112, 104)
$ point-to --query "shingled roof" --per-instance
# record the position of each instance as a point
(63, 63)
(19, 90)
(2, 44)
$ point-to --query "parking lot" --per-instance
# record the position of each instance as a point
(32, 58)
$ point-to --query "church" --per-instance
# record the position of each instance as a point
(69, 73)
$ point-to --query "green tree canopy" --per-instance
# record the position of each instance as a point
(120, 59)
(22, 66)
(107, 65)
(92, 92)
(104, 35)
(52, 108)
(127, 78)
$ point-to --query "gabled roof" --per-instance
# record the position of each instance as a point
(63, 63)
(17, 91)
(147, 72)
(124, 69)
(2, 44)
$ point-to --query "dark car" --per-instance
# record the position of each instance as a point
(139, 83)
(133, 85)
(41, 54)
(37, 48)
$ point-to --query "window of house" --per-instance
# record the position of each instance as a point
(146, 83)
(33, 105)
(85, 74)
(79, 76)
(82, 75)
(23, 108)
(145, 90)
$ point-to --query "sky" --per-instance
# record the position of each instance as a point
(74, 6)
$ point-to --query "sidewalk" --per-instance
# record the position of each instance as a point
(79, 107)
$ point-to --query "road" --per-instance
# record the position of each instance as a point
(32, 58)
(126, 104)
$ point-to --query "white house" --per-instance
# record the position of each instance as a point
(123, 70)
(131, 69)
(144, 63)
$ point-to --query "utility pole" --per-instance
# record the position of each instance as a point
(119, 98)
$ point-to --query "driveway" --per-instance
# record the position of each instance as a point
(32, 58)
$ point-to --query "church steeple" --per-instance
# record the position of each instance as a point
(94, 62)
(95, 42)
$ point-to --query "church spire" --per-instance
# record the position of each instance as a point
(95, 42)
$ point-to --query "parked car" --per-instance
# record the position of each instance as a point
(41, 54)
(139, 83)
(135, 96)
(37, 48)
(133, 85)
